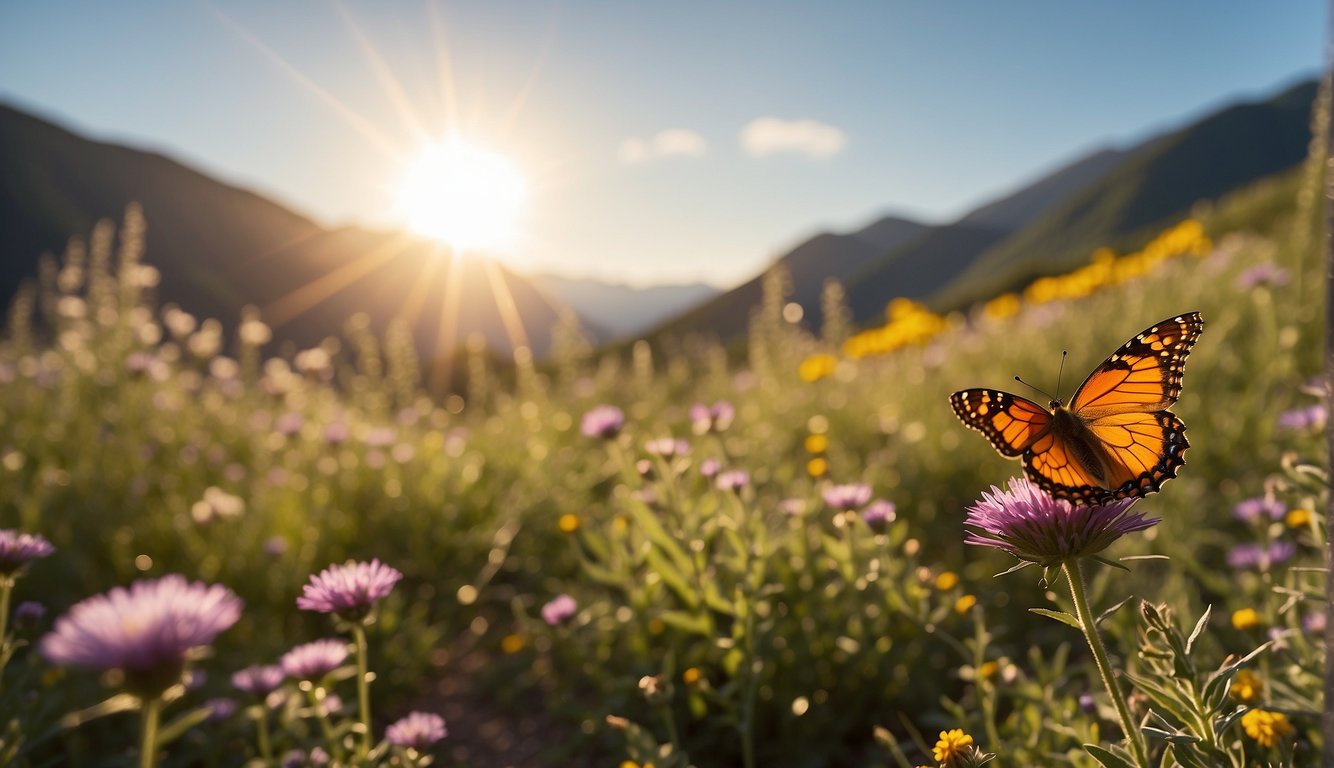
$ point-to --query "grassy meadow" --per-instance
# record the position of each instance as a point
(711, 626)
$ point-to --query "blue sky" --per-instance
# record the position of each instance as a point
(663, 141)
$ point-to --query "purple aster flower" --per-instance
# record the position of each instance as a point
(220, 709)
(290, 423)
(147, 631)
(332, 703)
(847, 497)
(1312, 417)
(604, 421)
(792, 507)
(418, 730)
(733, 480)
(1033, 526)
(709, 468)
(1262, 558)
(879, 515)
(1314, 623)
(314, 660)
(644, 467)
(294, 758)
(275, 546)
(19, 549)
(28, 614)
(711, 418)
(348, 590)
(1262, 274)
(259, 680)
(1087, 704)
(319, 756)
(560, 610)
(667, 447)
(335, 433)
(1250, 510)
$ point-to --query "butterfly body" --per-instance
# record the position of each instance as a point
(1116, 439)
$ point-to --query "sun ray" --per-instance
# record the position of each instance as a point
(511, 115)
(509, 311)
(448, 88)
(446, 336)
(358, 123)
(416, 299)
(300, 299)
(393, 89)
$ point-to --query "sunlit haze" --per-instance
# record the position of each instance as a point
(465, 196)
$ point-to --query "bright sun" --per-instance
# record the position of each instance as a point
(465, 196)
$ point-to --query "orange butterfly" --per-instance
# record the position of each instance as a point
(1116, 439)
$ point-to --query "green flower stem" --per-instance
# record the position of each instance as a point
(363, 689)
(265, 749)
(1087, 622)
(6, 586)
(148, 744)
(317, 704)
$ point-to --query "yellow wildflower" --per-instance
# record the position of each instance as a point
(952, 745)
(817, 443)
(947, 580)
(691, 676)
(568, 523)
(1298, 518)
(987, 670)
(512, 643)
(817, 467)
(817, 367)
(965, 604)
(1247, 687)
(1246, 618)
(1266, 727)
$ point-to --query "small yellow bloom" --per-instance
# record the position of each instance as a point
(952, 745)
(691, 676)
(1266, 727)
(817, 367)
(817, 467)
(987, 670)
(1247, 687)
(512, 643)
(947, 580)
(619, 523)
(817, 443)
(1246, 618)
(656, 626)
(568, 523)
(965, 604)
(1298, 518)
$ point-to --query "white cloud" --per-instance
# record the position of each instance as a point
(671, 142)
(773, 135)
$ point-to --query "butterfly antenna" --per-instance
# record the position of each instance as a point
(1060, 371)
(1035, 389)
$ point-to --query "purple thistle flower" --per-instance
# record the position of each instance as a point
(792, 507)
(290, 423)
(335, 433)
(19, 549)
(1312, 417)
(294, 758)
(1314, 623)
(733, 480)
(28, 614)
(349, 590)
(602, 421)
(1087, 704)
(220, 709)
(667, 447)
(1250, 510)
(879, 515)
(147, 631)
(418, 730)
(561, 609)
(847, 497)
(314, 660)
(1262, 274)
(259, 680)
(1262, 558)
(1033, 526)
(709, 468)
(711, 418)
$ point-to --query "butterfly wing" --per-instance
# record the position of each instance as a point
(1011, 423)
(1144, 450)
(1144, 375)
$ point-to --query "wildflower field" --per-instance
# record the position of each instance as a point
(221, 552)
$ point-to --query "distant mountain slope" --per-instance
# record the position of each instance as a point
(620, 310)
(219, 248)
(1154, 184)
(810, 263)
(1024, 206)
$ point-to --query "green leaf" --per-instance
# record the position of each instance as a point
(1060, 616)
(1106, 757)
(121, 702)
(1131, 558)
(1161, 696)
(1199, 627)
(693, 623)
(673, 578)
(1110, 611)
(1112, 563)
(183, 723)
(1019, 566)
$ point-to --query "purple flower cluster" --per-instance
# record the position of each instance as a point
(314, 660)
(1033, 526)
(1312, 418)
(848, 497)
(733, 480)
(259, 680)
(1262, 274)
(1262, 558)
(146, 631)
(879, 514)
(667, 447)
(711, 418)
(1250, 510)
(418, 730)
(602, 421)
(349, 590)
(19, 549)
(559, 610)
